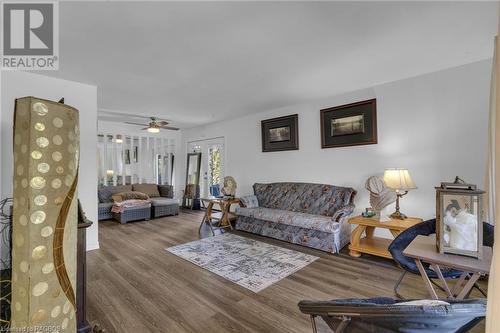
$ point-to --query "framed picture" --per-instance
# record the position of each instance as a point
(280, 134)
(349, 125)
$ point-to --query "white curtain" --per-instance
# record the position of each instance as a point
(492, 207)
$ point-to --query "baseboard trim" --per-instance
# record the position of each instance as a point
(92, 246)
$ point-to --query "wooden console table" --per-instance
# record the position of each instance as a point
(371, 244)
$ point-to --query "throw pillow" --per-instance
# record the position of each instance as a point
(150, 189)
(119, 197)
(104, 193)
(250, 201)
(166, 191)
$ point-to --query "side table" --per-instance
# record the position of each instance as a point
(222, 218)
(423, 249)
(371, 244)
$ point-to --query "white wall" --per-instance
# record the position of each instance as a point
(15, 84)
(435, 125)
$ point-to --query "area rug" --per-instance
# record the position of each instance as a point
(249, 263)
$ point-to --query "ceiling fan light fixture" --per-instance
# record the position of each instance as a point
(119, 139)
(153, 130)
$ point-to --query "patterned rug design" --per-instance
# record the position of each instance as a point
(249, 263)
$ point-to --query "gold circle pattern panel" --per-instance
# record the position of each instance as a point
(46, 146)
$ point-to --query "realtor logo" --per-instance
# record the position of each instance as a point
(30, 35)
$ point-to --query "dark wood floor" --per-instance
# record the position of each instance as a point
(135, 286)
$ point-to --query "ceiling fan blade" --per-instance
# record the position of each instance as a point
(169, 128)
(162, 123)
(135, 124)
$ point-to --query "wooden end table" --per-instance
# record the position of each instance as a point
(371, 244)
(424, 249)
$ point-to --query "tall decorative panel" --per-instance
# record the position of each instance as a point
(46, 148)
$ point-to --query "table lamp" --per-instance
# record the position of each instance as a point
(400, 181)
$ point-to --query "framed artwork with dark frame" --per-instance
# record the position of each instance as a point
(349, 125)
(280, 134)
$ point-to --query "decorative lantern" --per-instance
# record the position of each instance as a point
(459, 227)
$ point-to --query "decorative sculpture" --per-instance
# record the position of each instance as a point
(230, 186)
(380, 196)
(46, 148)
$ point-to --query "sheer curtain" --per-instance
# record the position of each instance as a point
(493, 198)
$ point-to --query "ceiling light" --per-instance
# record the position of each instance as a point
(119, 139)
(153, 130)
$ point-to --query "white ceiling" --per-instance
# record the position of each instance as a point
(199, 62)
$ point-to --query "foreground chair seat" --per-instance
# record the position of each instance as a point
(386, 315)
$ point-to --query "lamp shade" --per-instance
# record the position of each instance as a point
(398, 179)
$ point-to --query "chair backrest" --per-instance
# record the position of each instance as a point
(488, 234)
(404, 239)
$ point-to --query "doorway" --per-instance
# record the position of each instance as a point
(212, 162)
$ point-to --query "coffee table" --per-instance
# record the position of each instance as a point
(371, 244)
(424, 249)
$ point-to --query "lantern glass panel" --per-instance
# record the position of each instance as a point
(461, 215)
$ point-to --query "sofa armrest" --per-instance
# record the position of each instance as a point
(343, 212)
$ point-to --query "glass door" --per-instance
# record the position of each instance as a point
(212, 163)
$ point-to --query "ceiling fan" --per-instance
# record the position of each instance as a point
(155, 125)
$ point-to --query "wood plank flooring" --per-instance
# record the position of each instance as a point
(135, 286)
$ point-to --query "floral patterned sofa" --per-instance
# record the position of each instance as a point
(312, 215)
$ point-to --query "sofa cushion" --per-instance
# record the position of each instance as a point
(250, 201)
(150, 189)
(160, 201)
(118, 197)
(320, 199)
(303, 220)
(146, 204)
(166, 191)
(104, 193)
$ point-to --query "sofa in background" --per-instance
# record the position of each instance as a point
(161, 196)
(312, 215)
